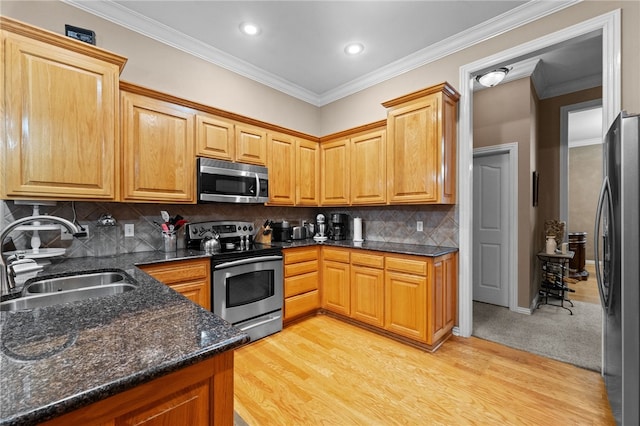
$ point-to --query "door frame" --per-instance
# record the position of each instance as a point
(609, 24)
(511, 150)
(564, 151)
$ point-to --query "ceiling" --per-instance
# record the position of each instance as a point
(300, 49)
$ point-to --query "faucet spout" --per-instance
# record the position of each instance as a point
(6, 282)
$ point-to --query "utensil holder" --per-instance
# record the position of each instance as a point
(169, 242)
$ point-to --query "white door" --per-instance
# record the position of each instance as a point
(491, 229)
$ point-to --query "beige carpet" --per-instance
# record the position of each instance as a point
(550, 331)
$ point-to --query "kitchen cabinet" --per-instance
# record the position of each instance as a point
(336, 287)
(420, 297)
(334, 163)
(406, 296)
(301, 276)
(367, 173)
(60, 116)
(307, 181)
(282, 171)
(191, 278)
(201, 394)
(158, 150)
(293, 171)
(367, 287)
(215, 137)
(421, 146)
(251, 145)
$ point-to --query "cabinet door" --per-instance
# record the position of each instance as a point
(413, 151)
(336, 288)
(334, 163)
(215, 137)
(307, 181)
(251, 145)
(368, 168)
(367, 295)
(405, 304)
(282, 172)
(442, 298)
(61, 118)
(158, 141)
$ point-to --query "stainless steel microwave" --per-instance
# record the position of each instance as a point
(224, 181)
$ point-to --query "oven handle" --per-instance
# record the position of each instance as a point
(247, 261)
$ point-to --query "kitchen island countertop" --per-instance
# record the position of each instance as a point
(56, 359)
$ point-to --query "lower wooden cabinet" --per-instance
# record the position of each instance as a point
(406, 297)
(301, 294)
(336, 288)
(198, 395)
(191, 278)
(367, 287)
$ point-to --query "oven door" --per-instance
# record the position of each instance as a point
(247, 288)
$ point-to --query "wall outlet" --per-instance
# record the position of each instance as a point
(419, 226)
(129, 230)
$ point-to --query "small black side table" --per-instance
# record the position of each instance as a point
(554, 268)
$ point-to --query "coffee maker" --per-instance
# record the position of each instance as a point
(338, 230)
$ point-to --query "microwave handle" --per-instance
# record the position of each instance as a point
(247, 261)
(257, 185)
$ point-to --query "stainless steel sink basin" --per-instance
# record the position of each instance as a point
(74, 282)
(64, 296)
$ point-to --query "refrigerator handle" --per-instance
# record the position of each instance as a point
(605, 192)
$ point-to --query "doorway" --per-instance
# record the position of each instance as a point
(609, 24)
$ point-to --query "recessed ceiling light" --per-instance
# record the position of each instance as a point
(249, 28)
(354, 48)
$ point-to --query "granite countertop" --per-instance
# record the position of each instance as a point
(397, 248)
(56, 359)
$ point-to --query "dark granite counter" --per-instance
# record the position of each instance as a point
(56, 359)
(398, 248)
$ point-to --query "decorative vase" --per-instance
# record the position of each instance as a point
(551, 244)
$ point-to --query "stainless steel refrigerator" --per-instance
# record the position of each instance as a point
(617, 258)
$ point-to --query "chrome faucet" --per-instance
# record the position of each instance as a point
(7, 282)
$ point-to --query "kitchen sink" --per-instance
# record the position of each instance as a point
(64, 296)
(74, 282)
(42, 292)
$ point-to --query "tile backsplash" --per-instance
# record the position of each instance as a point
(395, 224)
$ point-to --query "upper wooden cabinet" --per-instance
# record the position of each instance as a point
(61, 127)
(158, 150)
(353, 167)
(293, 171)
(282, 171)
(251, 145)
(334, 163)
(368, 168)
(307, 181)
(215, 137)
(421, 146)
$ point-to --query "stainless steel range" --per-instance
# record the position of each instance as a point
(246, 278)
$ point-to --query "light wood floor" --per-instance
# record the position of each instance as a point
(586, 291)
(322, 371)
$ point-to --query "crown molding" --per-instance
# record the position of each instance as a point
(515, 18)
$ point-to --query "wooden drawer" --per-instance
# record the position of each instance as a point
(301, 304)
(300, 268)
(174, 272)
(303, 254)
(335, 254)
(367, 259)
(300, 284)
(409, 265)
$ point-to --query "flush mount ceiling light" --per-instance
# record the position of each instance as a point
(249, 29)
(354, 48)
(492, 78)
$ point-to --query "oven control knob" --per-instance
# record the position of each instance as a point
(244, 228)
(250, 228)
